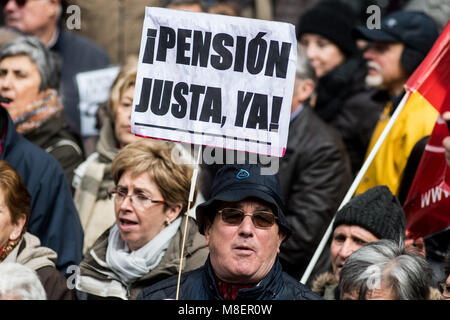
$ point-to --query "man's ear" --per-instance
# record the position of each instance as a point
(281, 237)
(305, 90)
(208, 225)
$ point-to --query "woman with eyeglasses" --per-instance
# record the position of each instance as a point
(144, 245)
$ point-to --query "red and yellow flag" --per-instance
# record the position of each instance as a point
(427, 205)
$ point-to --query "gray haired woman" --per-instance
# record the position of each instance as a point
(29, 83)
(19, 282)
(444, 285)
(384, 270)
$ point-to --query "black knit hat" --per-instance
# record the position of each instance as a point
(377, 210)
(238, 182)
(332, 20)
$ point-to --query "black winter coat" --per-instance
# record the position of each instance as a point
(314, 175)
(78, 54)
(200, 284)
(53, 217)
(346, 103)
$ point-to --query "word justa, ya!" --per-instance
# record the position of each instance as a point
(205, 104)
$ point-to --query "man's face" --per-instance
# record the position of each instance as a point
(384, 66)
(242, 253)
(33, 17)
(303, 89)
(347, 239)
(186, 7)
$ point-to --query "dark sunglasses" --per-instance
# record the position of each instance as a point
(260, 219)
(20, 3)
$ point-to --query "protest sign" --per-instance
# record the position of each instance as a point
(215, 80)
(93, 88)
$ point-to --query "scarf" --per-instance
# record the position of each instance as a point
(38, 112)
(229, 291)
(334, 87)
(93, 178)
(131, 266)
(7, 248)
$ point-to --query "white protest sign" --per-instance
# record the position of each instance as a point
(93, 88)
(215, 80)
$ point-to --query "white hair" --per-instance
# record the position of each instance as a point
(407, 273)
(304, 69)
(19, 282)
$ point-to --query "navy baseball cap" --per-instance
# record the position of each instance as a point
(236, 182)
(414, 29)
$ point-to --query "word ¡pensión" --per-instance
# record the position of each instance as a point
(255, 56)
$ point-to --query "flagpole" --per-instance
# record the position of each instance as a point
(191, 199)
(355, 184)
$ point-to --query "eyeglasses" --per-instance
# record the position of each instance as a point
(444, 289)
(19, 3)
(138, 199)
(235, 216)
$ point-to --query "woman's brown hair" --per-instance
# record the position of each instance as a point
(124, 80)
(156, 157)
(15, 192)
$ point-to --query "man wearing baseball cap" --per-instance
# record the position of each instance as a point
(244, 225)
(395, 50)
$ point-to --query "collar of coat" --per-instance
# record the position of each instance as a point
(30, 253)
(269, 286)
(323, 282)
(9, 133)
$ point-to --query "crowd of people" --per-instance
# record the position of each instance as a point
(118, 207)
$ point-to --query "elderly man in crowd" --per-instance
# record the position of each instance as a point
(371, 216)
(244, 225)
(395, 50)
